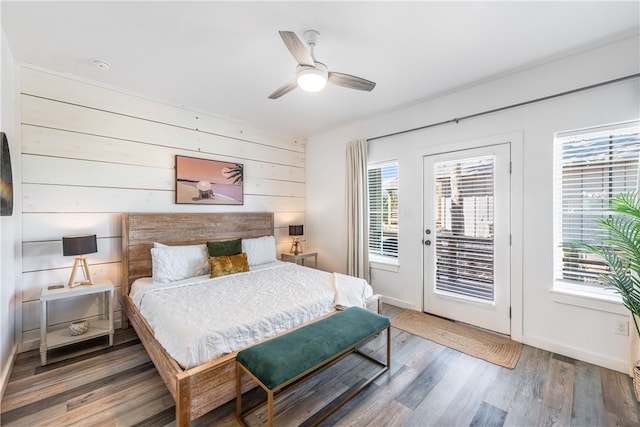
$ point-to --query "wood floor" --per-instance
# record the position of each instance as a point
(427, 385)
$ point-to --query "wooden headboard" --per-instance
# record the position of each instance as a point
(140, 230)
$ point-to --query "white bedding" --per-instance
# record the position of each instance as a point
(199, 319)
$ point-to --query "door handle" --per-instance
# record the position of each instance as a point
(427, 242)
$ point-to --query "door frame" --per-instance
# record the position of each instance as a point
(515, 139)
(493, 313)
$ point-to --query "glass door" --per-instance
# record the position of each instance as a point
(467, 236)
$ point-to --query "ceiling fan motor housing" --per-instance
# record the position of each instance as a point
(311, 37)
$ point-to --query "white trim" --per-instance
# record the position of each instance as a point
(6, 371)
(591, 298)
(383, 163)
(386, 263)
(29, 345)
(619, 365)
(517, 234)
(394, 268)
(399, 303)
(595, 129)
(18, 215)
(516, 142)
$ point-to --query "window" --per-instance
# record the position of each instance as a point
(591, 167)
(383, 209)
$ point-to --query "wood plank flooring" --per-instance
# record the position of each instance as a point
(428, 385)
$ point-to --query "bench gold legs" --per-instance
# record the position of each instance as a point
(385, 366)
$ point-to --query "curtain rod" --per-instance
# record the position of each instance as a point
(520, 104)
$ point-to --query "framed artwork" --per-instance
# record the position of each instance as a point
(208, 182)
(6, 179)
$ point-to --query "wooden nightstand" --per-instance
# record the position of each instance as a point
(284, 256)
(60, 337)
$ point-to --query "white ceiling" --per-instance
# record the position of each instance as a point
(225, 58)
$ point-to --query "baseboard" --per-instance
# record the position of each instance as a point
(577, 353)
(6, 371)
(29, 346)
(552, 346)
(398, 303)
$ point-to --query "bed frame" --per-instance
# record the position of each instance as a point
(198, 390)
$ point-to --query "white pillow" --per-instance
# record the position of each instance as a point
(171, 263)
(260, 250)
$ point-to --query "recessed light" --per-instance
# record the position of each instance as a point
(101, 64)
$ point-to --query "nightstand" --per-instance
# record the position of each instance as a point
(60, 337)
(284, 256)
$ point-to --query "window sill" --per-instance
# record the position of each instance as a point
(378, 262)
(595, 299)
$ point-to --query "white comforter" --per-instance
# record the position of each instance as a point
(200, 319)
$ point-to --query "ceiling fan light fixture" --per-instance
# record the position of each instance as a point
(312, 79)
(311, 75)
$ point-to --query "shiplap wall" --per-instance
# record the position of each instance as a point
(90, 153)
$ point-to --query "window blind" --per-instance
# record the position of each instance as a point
(464, 227)
(383, 209)
(591, 167)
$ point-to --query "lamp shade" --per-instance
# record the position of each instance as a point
(80, 244)
(296, 230)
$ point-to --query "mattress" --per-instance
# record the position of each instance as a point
(200, 319)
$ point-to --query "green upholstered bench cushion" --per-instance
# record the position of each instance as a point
(276, 361)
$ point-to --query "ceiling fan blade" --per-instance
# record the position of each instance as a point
(297, 48)
(284, 89)
(352, 82)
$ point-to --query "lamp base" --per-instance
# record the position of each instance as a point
(296, 246)
(82, 260)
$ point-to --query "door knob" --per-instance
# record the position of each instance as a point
(427, 242)
(427, 231)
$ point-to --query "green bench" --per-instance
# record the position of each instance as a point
(286, 359)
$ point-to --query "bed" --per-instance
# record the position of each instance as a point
(200, 389)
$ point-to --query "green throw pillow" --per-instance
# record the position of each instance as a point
(225, 248)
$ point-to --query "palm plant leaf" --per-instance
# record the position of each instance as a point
(620, 249)
(627, 204)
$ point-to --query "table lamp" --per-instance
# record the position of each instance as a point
(296, 246)
(79, 246)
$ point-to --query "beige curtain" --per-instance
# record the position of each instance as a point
(357, 210)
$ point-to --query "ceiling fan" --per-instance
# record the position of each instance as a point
(312, 75)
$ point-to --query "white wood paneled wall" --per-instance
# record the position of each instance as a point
(90, 153)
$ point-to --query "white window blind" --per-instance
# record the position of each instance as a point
(591, 167)
(464, 227)
(383, 209)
